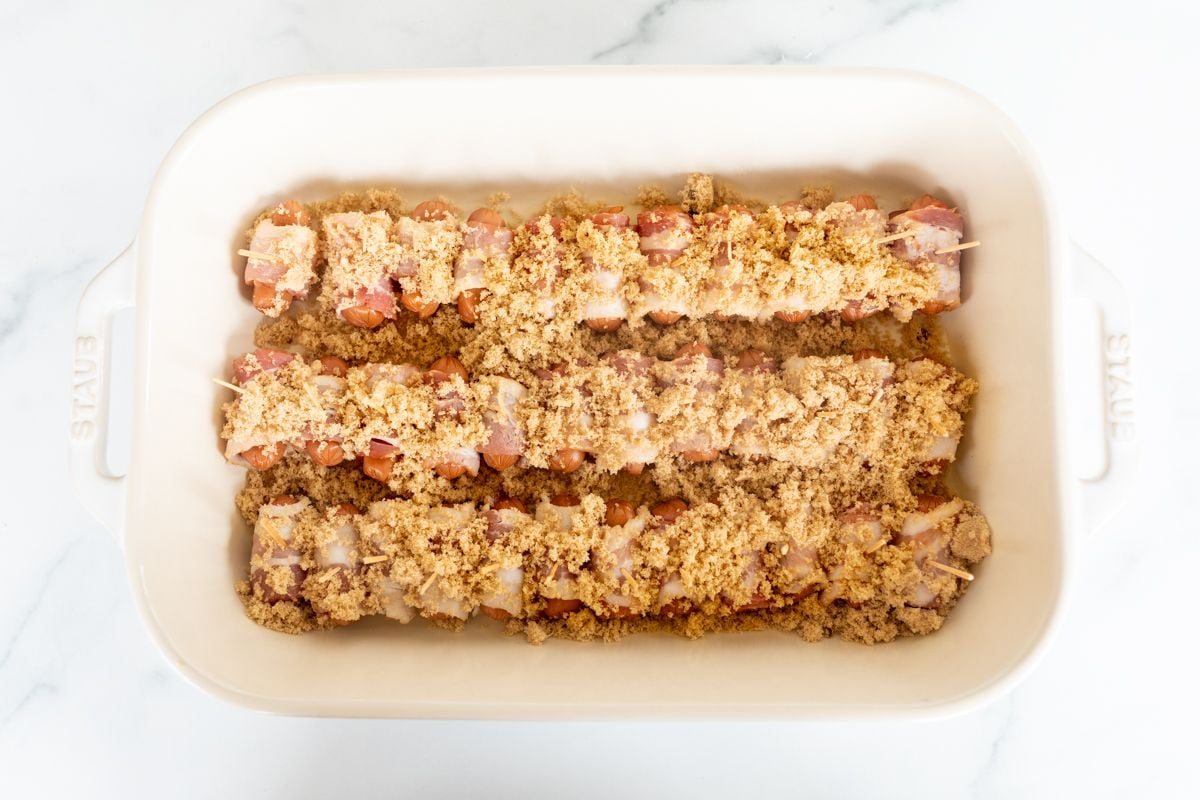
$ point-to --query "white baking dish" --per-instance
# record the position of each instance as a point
(535, 132)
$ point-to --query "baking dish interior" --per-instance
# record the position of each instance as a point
(535, 133)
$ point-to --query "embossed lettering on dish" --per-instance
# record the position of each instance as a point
(85, 369)
(1118, 357)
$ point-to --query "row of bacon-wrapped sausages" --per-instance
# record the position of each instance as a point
(401, 559)
(431, 257)
(623, 410)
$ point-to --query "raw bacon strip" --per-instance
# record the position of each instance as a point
(541, 261)
(276, 573)
(338, 562)
(639, 449)
(794, 307)
(926, 532)
(449, 378)
(622, 527)
(486, 238)
(557, 582)
(697, 446)
(506, 441)
(672, 595)
(934, 226)
(861, 530)
(290, 267)
(360, 262)
(508, 600)
(749, 440)
(726, 293)
(665, 233)
(433, 599)
(330, 384)
(860, 217)
(419, 238)
(380, 459)
(606, 308)
(389, 592)
(571, 451)
(262, 361)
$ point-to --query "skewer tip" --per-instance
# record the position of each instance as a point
(253, 254)
(956, 248)
(960, 573)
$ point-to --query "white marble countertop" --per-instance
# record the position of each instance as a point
(94, 94)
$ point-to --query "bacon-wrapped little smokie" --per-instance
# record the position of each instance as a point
(360, 259)
(276, 565)
(338, 566)
(506, 600)
(429, 243)
(932, 227)
(559, 580)
(281, 265)
(486, 239)
(448, 377)
(368, 255)
(665, 233)
(605, 243)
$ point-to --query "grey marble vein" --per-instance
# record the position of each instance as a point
(886, 15)
(18, 295)
(642, 29)
(25, 617)
(34, 691)
(986, 773)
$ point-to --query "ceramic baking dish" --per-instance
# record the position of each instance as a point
(533, 133)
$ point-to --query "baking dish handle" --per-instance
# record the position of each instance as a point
(100, 490)
(1100, 389)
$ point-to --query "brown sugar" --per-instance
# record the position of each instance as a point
(847, 439)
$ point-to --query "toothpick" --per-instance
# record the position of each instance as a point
(259, 256)
(272, 531)
(956, 248)
(895, 236)
(374, 559)
(228, 385)
(428, 582)
(878, 544)
(961, 573)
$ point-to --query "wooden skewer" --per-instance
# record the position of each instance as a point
(328, 576)
(956, 248)
(428, 582)
(875, 546)
(269, 527)
(895, 236)
(374, 559)
(228, 385)
(259, 256)
(961, 573)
